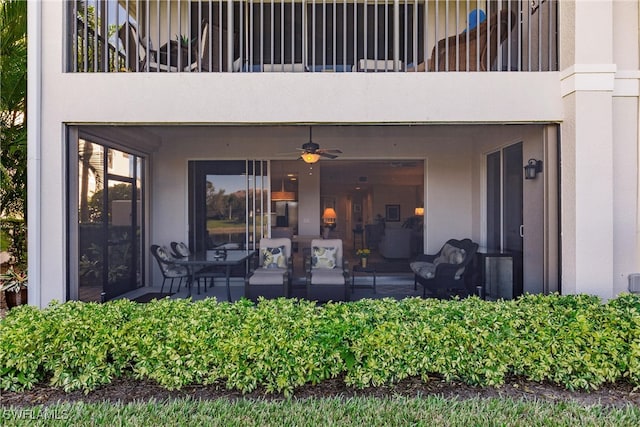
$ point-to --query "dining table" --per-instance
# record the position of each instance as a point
(227, 258)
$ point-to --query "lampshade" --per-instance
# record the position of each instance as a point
(419, 211)
(329, 216)
(310, 157)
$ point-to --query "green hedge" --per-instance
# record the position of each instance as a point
(574, 341)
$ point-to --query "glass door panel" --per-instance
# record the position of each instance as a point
(91, 179)
(226, 204)
(226, 207)
(505, 209)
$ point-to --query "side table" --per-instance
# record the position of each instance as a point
(369, 269)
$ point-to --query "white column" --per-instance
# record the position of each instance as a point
(587, 168)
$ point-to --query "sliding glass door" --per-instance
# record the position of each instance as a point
(227, 203)
(109, 256)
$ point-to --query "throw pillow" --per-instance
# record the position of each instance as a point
(274, 257)
(423, 269)
(456, 256)
(164, 254)
(323, 257)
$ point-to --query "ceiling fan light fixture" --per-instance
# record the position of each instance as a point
(310, 157)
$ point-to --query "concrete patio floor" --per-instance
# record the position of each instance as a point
(396, 286)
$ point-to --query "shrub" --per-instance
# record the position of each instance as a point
(575, 341)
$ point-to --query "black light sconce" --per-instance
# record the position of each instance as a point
(532, 169)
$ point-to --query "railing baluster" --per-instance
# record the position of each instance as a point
(282, 56)
(335, 33)
(293, 32)
(230, 32)
(271, 35)
(344, 35)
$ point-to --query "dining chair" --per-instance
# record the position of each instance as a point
(181, 250)
(272, 276)
(327, 271)
(168, 269)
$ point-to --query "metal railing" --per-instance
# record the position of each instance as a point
(312, 35)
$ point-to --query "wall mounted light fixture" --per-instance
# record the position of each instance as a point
(532, 168)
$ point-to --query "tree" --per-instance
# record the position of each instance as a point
(13, 127)
(13, 107)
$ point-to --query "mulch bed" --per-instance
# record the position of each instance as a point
(125, 390)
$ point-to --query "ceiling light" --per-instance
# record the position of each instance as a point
(310, 157)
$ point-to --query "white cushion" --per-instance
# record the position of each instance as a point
(326, 276)
(267, 276)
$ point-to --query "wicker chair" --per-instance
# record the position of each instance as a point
(448, 271)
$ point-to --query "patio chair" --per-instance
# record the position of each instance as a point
(327, 271)
(446, 272)
(138, 54)
(272, 276)
(168, 269)
(199, 50)
(181, 250)
(451, 52)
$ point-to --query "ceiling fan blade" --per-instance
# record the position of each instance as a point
(327, 155)
(332, 150)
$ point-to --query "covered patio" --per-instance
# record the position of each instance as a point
(465, 174)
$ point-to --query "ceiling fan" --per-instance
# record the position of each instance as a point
(311, 151)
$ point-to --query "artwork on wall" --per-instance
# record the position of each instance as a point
(392, 212)
(357, 208)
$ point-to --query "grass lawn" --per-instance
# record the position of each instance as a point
(353, 411)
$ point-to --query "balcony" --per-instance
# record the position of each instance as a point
(311, 35)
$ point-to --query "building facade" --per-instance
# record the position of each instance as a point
(134, 106)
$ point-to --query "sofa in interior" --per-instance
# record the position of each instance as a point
(396, 243)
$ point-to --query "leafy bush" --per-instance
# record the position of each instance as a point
(575, 341)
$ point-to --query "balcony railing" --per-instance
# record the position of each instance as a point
(312, 35)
